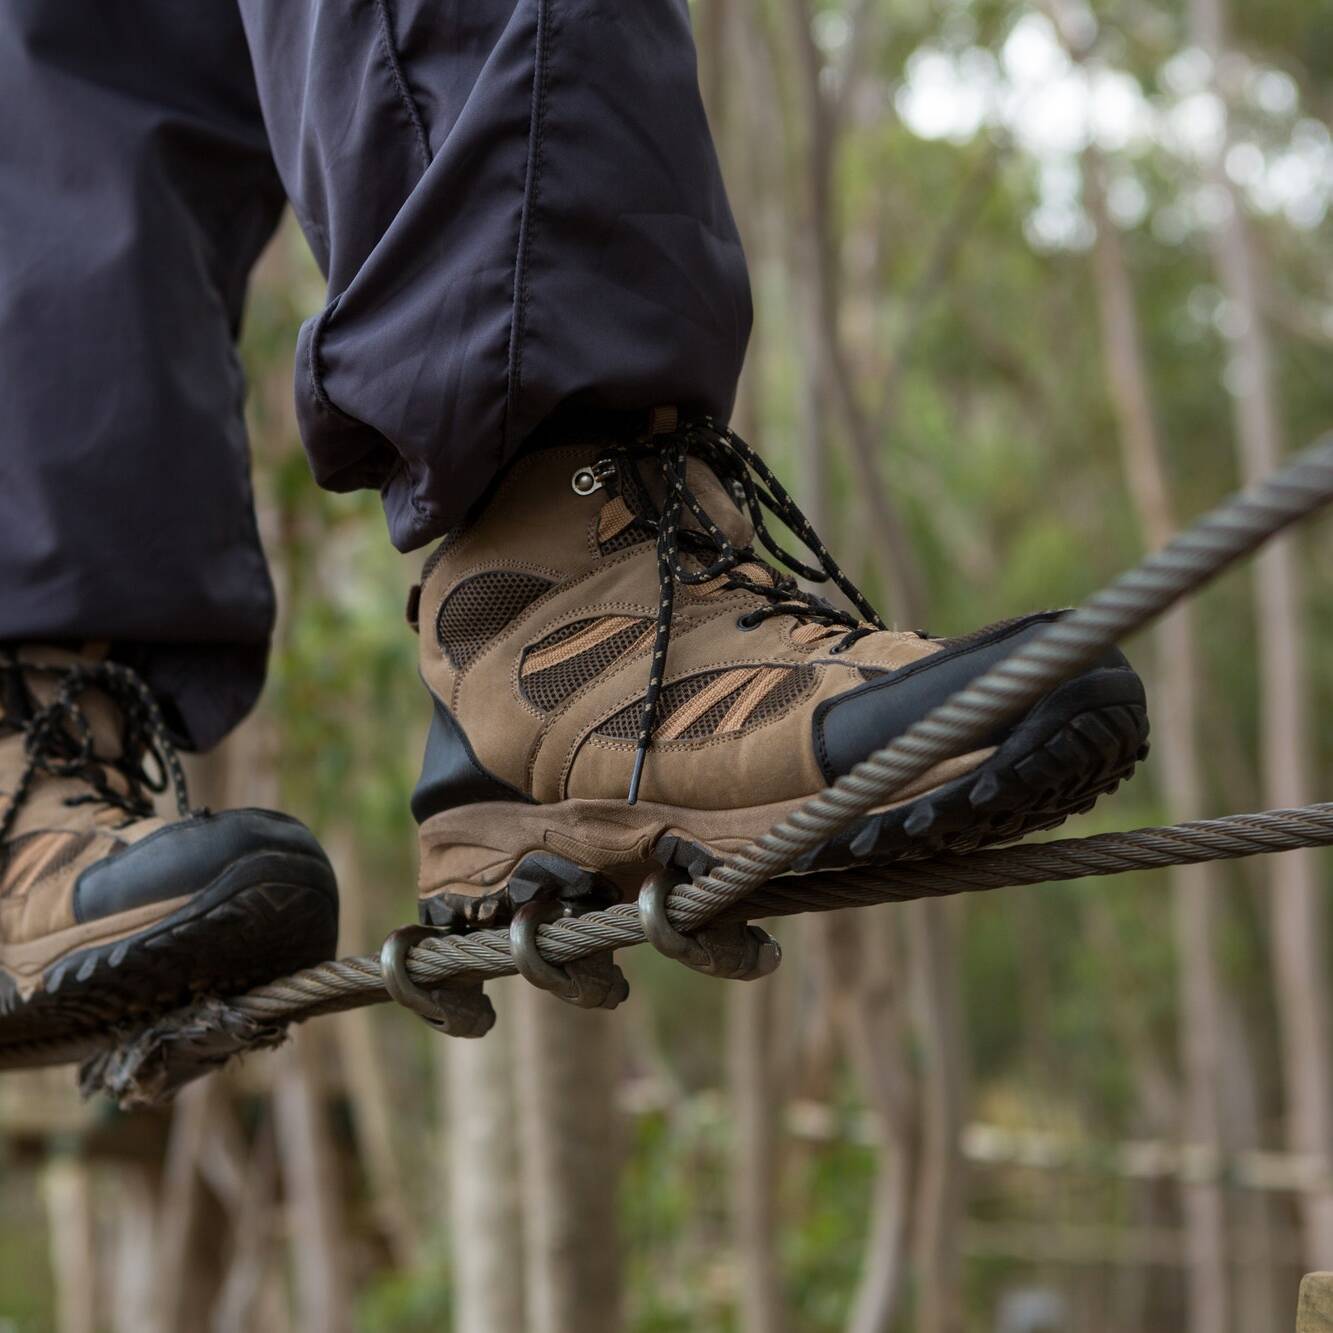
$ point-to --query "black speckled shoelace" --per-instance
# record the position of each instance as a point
(714, 556)
(58, 739)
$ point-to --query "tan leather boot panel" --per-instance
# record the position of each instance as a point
(26, 961)
(474, 849)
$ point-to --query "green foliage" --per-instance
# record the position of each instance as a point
(26, 1295)
(411, 1302)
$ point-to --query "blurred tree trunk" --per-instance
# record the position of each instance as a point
(310, 1177)
(1296, 902)
(1195, 889)
(249, 1298)
(756, 1160)
(570, 1131)
(932, 927)
(1159, 1104)
(730, 84)
(866, 945)
(179, 1295)
(133, 1271)
(939, 1200)
(366, 1074)
(1262, 1297)
(827, 365)
(308, 1161)
(67, 1192)
(482, 1151)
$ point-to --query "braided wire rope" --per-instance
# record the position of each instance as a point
(355, 982)
(753, 881)
(486, 953)
(1216, 541)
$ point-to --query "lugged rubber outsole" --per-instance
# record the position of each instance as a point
(1075, 746)
(264, 917)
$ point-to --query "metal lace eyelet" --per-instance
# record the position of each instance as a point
(589, 479)
(584, 481)
(747, 621)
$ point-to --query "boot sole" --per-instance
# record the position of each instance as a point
(266, 915)
(1076, 745)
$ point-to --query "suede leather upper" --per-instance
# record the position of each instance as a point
(609, 590)
(537, 527)
(53, 841)
(73, 858)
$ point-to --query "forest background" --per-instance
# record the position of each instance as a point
(1034, 284)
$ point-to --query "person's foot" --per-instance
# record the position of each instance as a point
(108, 911)
(543, 625)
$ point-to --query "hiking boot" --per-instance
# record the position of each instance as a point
(619, 677)
(108, 911)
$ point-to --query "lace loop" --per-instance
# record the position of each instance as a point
(714, 555)
(58, 739)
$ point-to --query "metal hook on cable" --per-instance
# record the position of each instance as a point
(591, 982)
(734, 950)
(456, 1009)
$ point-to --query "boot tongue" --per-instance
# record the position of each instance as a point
(102, 715)
(715, 498)
(718, 503)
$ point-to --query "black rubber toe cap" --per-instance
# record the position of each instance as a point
(852, 726)
(247, 846)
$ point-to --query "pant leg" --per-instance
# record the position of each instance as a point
(136, 189)
(519, 210)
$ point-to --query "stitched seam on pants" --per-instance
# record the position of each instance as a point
(531, 190)
(400, 80)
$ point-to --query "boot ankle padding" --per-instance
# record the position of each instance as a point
(451, 774)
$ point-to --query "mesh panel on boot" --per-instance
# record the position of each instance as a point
(633, 535)
(632, 492)
(480, 607)
(777, 701)
(550, 687)
(789, 691)
(35, 856)
(624, 725)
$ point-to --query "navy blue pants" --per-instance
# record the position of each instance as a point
(518, 209)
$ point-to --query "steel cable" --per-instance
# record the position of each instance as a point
(753, 881)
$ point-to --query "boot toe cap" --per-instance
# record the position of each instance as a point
(199, 853)
(851, 726)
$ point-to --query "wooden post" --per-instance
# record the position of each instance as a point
(1315, 1311)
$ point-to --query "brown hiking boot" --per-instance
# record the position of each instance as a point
(619, 677)
(108, 911)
